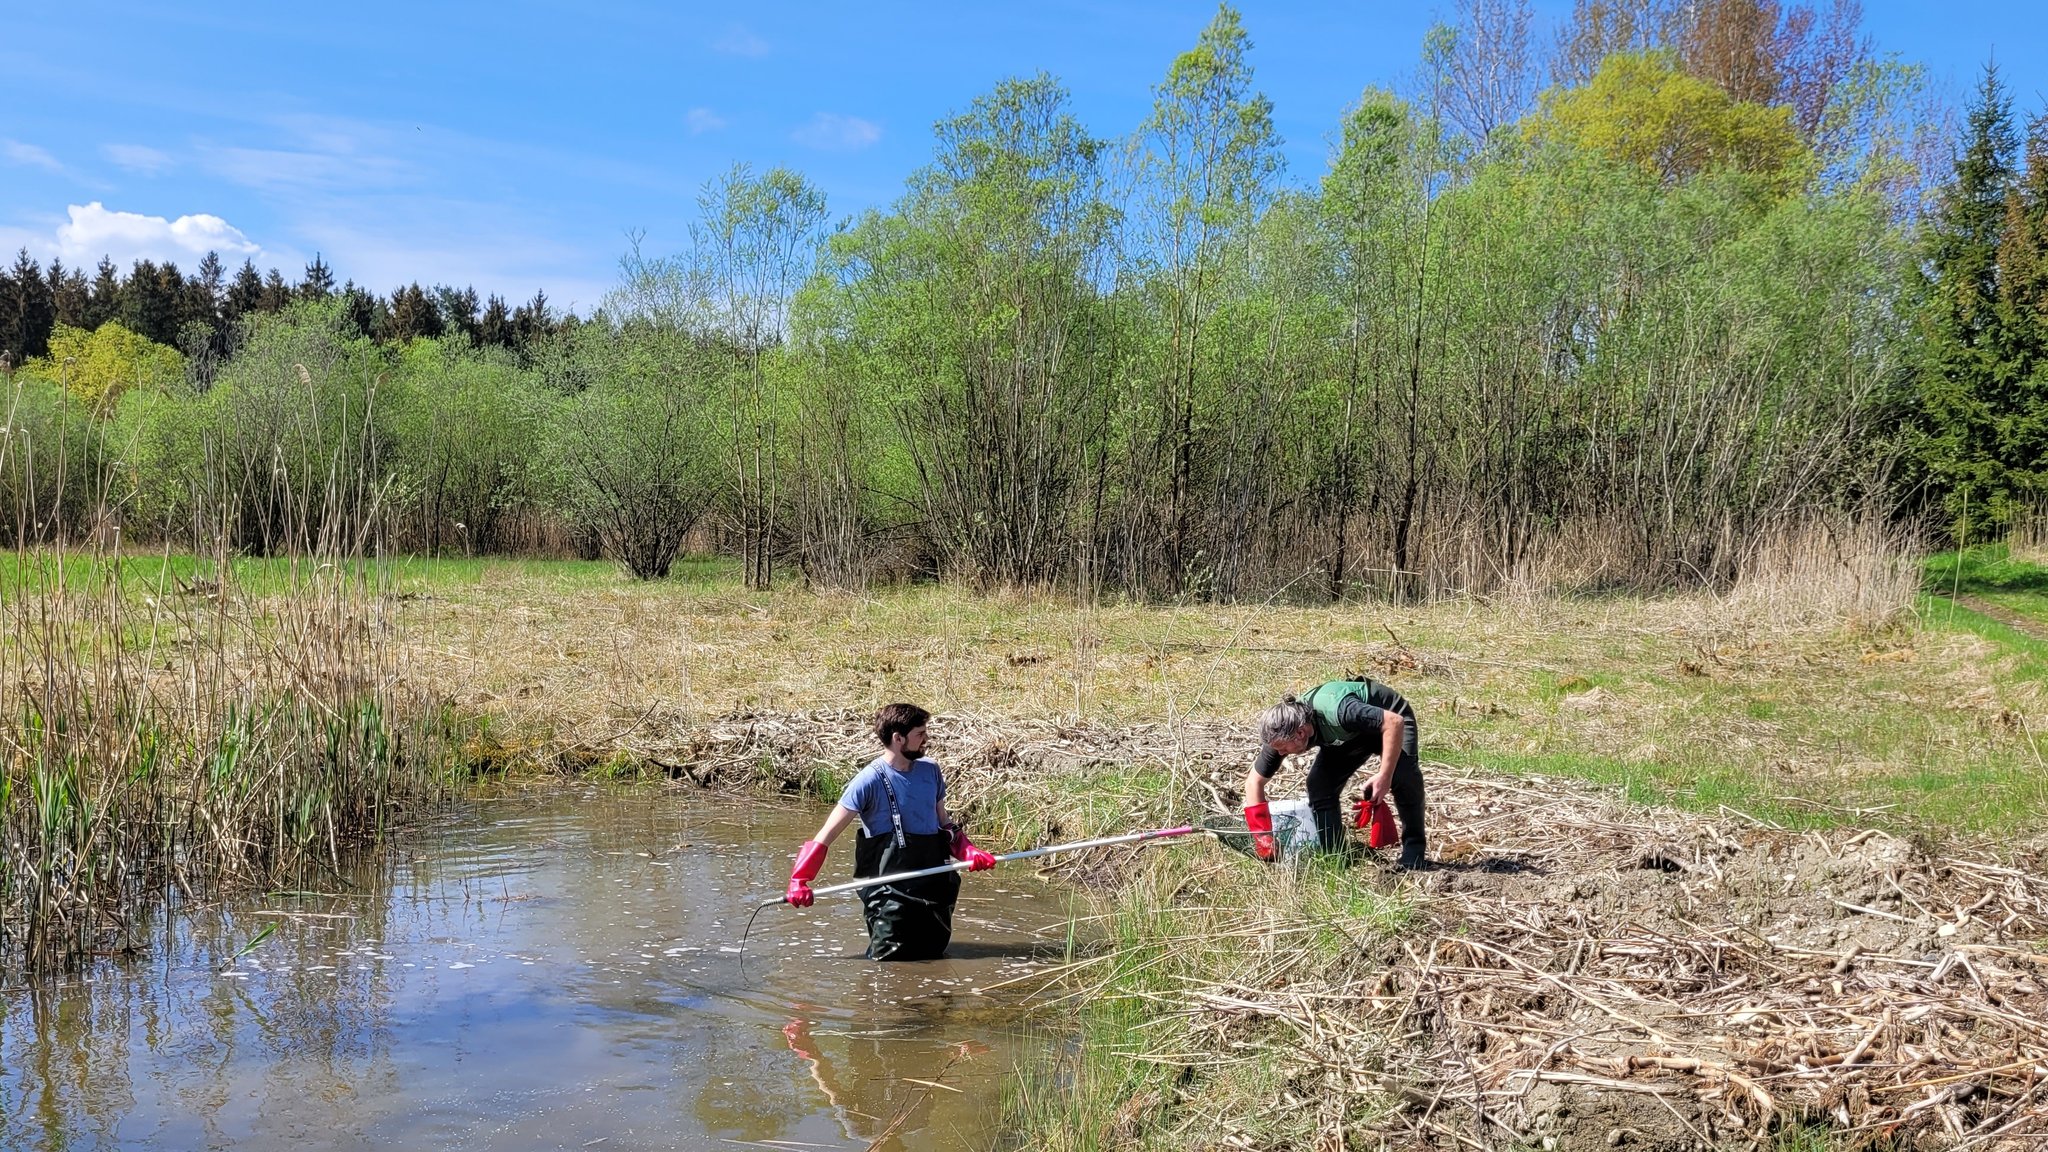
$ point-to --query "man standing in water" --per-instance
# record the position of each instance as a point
(1346, 721)
(900, 802)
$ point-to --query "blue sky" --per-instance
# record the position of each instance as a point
(514, 146)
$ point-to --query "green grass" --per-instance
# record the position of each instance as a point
(2028, 654)
(169, 574)
(1984, 568)
(2003, 796)
(1991, 573)
(1136, 1075)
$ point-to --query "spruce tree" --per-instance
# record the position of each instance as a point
(70, 296)
(26, 309)
(362, 310)
(150, 301)
(211, 282)
(413, 315)
(277, 295)
(319, 281)
(1959, 381)
(104, 301)
(495, 329)
(2022, 327)
(458, 310)
(532, 321)
(245, 294)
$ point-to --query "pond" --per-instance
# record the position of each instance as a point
(555, 971)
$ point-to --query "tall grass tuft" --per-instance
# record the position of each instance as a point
(190, 722)
(1189, 949)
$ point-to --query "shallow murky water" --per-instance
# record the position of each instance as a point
(559, 972)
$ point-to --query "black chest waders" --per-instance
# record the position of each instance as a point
(910, 919)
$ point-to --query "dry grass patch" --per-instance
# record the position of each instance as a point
(1658, 694)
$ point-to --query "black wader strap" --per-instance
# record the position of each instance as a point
(895, 813)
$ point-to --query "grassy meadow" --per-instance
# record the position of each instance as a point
(1927, 718)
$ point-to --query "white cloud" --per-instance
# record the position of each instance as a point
(93, 231)
(702, 120)
(835, 133)
(283, 170)
(29, 155)
(319, 154)
(137, 158)
(483, 245)
(737, 41)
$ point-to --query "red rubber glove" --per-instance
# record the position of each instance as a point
(964, 849)
(1384, 833)
(1259, 819)
(809, 859)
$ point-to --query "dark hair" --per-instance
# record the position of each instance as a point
(1284, 719)
(899, 720)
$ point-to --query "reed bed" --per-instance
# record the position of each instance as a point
(186, 723)
(169, 727)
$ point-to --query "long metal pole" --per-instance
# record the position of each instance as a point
(961, 865)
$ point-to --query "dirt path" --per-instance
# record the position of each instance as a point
(2017, 621)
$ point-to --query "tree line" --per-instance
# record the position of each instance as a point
(199, 313)
(1608, 308)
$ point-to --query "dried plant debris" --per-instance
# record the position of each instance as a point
(1598, 976)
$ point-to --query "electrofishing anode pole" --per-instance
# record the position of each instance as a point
(961, 865)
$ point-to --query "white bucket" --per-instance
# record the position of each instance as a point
(1303, 835)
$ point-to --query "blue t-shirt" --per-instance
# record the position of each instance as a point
(918, 794)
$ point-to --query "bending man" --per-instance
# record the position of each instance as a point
(900, 801)
(1347, 722)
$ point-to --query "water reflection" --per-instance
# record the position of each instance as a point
(559, 972)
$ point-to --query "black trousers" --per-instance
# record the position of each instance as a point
(1335, 766)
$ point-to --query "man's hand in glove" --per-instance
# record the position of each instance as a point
(809, 859)
(1259, 819)
(964, 850)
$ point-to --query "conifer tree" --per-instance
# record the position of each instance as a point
(413, 315)
(532, 320)
(2022, 324)
(495, 329)
(104, 301)
(458, 310)
(26, 310)
(70, 295)
(362, 310)
(150, 301)
(245, 294)
(319, 280)
(1958, 402)
(277, 295)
